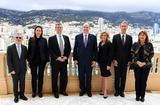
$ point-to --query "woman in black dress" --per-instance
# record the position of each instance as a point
(37, 57)
(142, 53)
(104, 60)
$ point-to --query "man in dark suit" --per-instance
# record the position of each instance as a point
(122, 44)
(16, 60)
(85, 55)
(59, 49)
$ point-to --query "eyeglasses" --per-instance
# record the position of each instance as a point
(18, 37)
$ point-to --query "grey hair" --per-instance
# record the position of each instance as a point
(18, 34)
(125, 22)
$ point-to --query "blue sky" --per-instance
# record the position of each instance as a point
(98, 5)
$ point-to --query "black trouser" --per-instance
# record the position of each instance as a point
(37, 71)
(85, 76)
(120, 77)
(18, 77)
(141, 76)
(59, 67)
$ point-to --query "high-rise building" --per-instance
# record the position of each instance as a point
(156, 28)
(101, 24)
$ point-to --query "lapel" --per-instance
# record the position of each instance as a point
(56, 41)
(82, 38)
(22, 51)
(65, 41)
(126, 41)
(120, 40)
(89, 38)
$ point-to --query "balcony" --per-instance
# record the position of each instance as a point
(6, 86)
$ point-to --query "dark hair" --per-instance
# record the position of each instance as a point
(145, 33)
(34, 37)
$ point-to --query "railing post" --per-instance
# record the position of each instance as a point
(3, 80)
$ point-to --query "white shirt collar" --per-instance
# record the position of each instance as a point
(123, 34)
(85, 34)
(59, 35)
(17, 45)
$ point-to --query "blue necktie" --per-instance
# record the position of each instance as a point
(19, 51)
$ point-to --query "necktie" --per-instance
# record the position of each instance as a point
(85, 40)
(123, 39)
(61, 45)
(19, 51)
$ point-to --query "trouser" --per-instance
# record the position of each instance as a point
(85, 77)
(59, 67)
(18, 78)
(37, 71)
(120, 77)
(141, 76)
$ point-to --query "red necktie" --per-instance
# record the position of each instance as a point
(123, 39)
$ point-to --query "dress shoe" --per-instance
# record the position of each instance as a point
(137, 98)
(116, 93)
(142, 99)
(122, 94)
(81, 93)
(89, 94)
(64, 93)
(40, 95)
(105, 97)
(56, 95)
(23, 97)
(101, 94)
(33, 95)
(16, 99)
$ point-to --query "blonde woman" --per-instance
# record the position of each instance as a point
(104, 60)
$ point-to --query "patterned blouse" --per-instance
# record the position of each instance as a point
(148, 53)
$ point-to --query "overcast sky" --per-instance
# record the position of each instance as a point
(98, 5)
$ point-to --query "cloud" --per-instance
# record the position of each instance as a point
(98, 5)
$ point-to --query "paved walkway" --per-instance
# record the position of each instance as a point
(151, 99)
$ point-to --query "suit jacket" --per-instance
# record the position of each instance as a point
(85, 54)
(54, 49)
(105, 53)
(14, 62)
(122, 53)
(44, 55)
